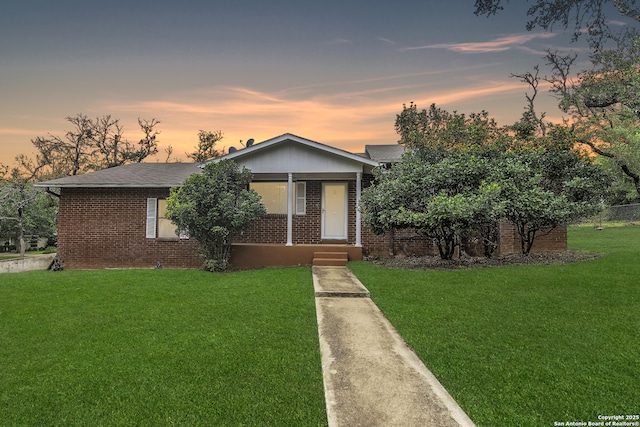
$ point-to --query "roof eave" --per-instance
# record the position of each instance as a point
(90, 185)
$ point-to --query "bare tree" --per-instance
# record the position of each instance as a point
(531, 121)
(91, 144)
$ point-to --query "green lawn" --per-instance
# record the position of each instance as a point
(159, 348)
(527, 346)
(522, 346)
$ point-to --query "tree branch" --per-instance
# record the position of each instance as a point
(620, 162)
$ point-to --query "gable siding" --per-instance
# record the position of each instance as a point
(106, 228)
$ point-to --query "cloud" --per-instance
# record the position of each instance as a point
(500, 44)
(305, 89)
(387, 41)
(337, 40)
(17, 131)
(348, 119)
(616, 22)
(347, 114)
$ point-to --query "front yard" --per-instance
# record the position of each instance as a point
(520, 345)
(159, 347)
(527, 345)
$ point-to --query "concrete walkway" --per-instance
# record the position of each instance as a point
(371, 376)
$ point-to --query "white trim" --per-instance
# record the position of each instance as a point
(152, 217)
(290, 210)
(358, 217)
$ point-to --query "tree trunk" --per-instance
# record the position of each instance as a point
(21, 243)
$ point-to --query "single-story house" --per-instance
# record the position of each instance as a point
(114, 218)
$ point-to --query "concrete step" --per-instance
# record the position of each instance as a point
(330, 258)
(332, 262)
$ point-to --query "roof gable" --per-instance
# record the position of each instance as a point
(291, 153)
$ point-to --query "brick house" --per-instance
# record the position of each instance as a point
(114, 218)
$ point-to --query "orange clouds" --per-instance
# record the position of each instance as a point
(500, 44)
(346, 119)
(348, 114)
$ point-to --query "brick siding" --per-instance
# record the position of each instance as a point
(106, 228)
(556, 240)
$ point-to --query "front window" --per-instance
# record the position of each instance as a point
(157, 225)
(274, 196)
(166, 229)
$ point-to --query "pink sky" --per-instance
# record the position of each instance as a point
(336, 72)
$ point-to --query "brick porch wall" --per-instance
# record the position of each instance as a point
(106, 228)
(307, 228)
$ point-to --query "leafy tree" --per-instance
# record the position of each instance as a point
(463, 174)
(454, 195)
(92, 144)
(214, 206)
(24, 209)
(605, 108)
(541, 191)
(443, 197)
(206, 148)
(438, 129)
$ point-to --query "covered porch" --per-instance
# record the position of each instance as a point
(311, 192)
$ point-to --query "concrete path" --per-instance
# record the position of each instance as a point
(371, 376)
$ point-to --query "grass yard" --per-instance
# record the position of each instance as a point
(159, 348)
(527, 345)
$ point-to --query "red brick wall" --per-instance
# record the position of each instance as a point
(510, 240)
(405, 242)
(106, 228)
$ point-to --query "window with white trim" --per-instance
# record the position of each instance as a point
(157, 225)
(274, 196)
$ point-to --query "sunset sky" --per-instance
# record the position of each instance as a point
(336, 72)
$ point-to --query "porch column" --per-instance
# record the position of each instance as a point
(290, 210)
(358, 218)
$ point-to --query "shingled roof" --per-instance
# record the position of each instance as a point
(132, 175)
(385, 153)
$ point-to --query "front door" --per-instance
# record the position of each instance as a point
(334, 210)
